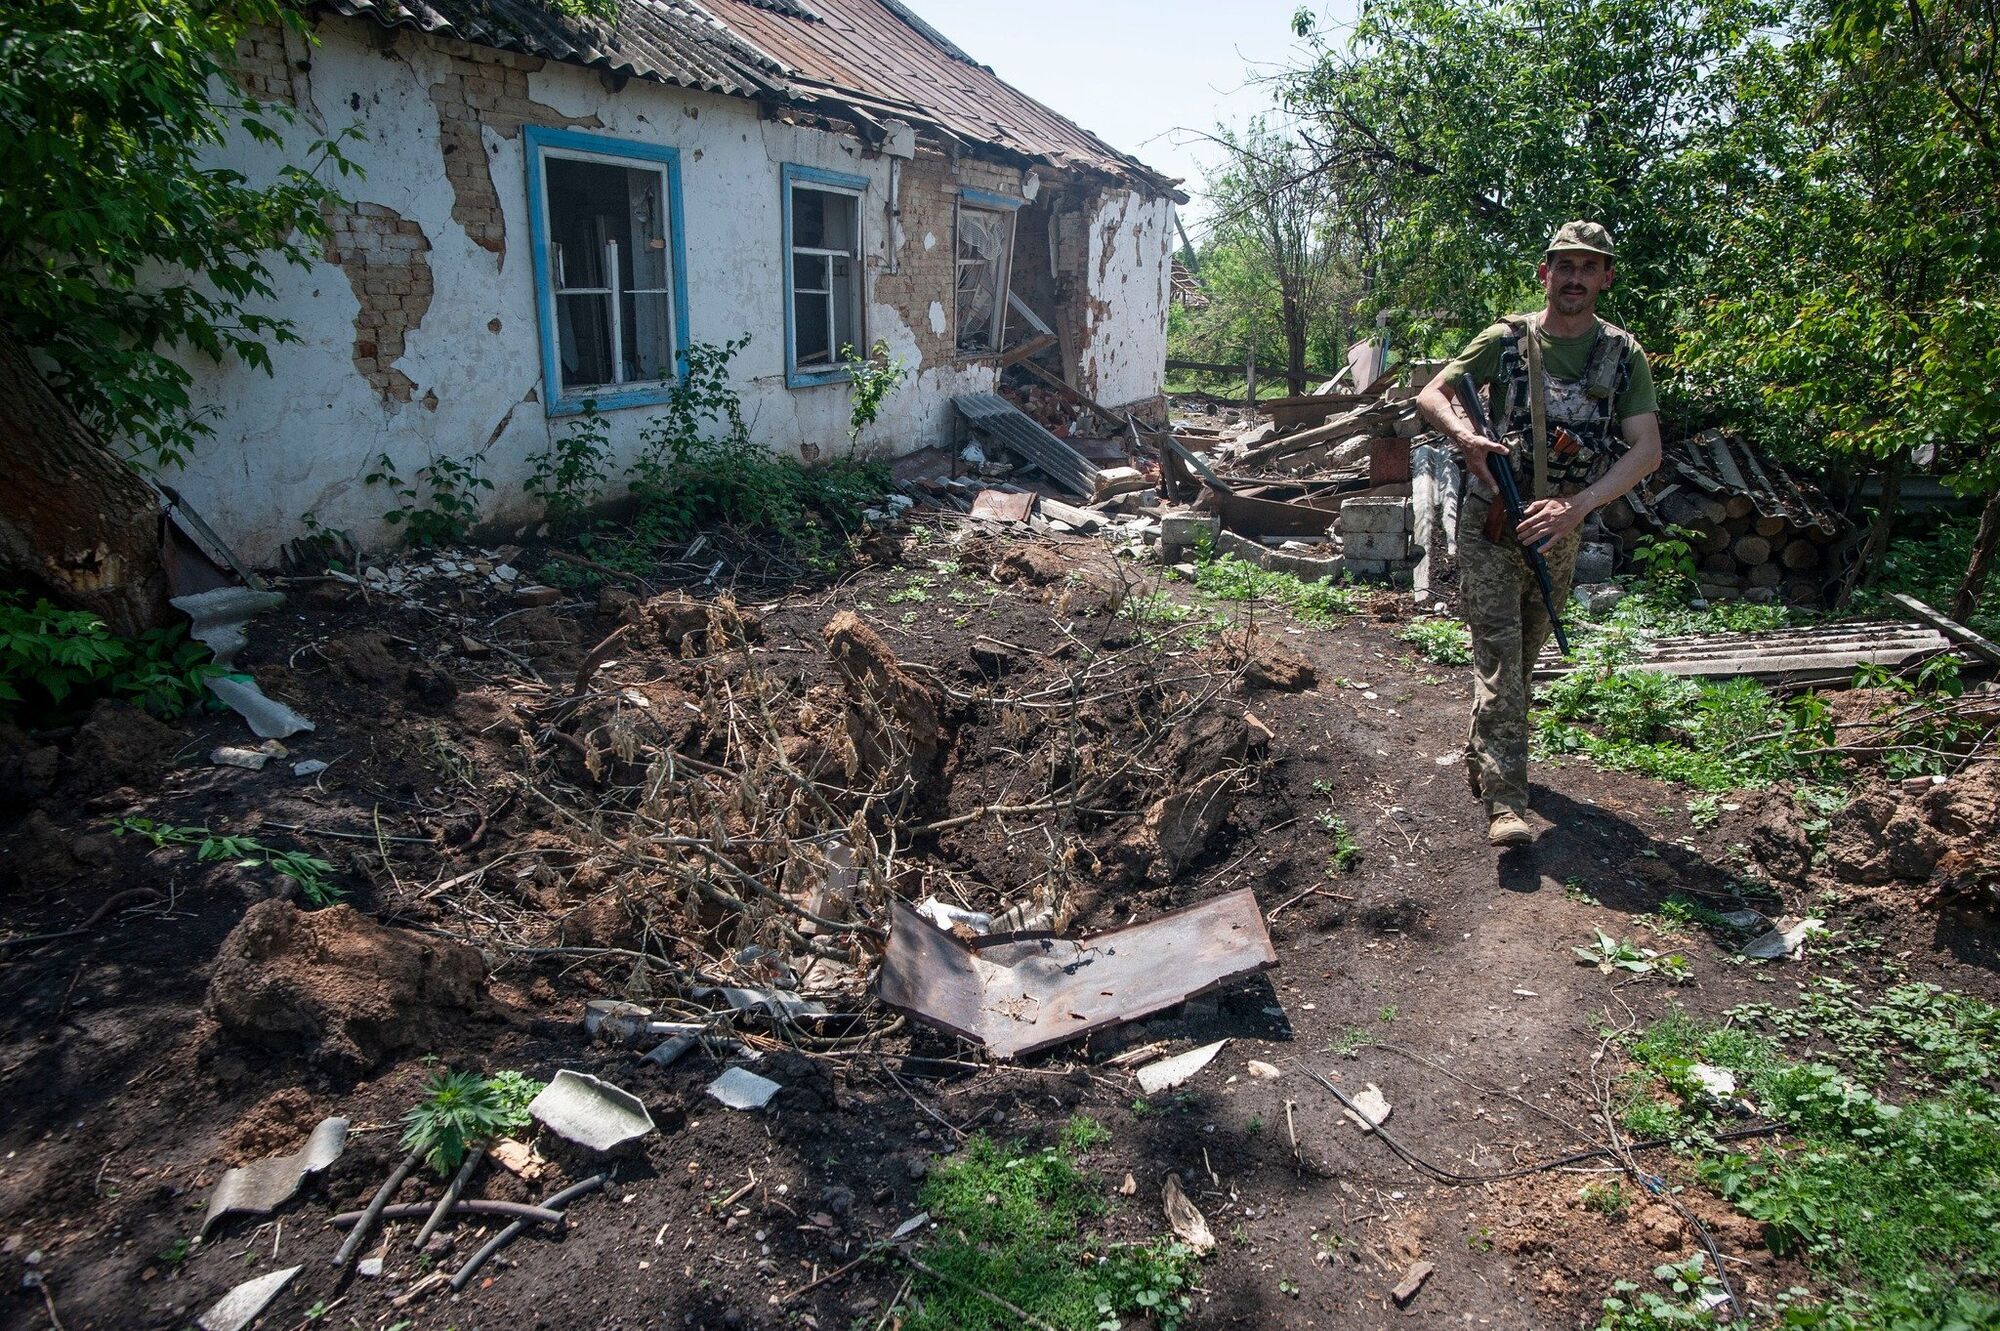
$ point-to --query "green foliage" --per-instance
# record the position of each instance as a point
(463, 1109)
(440, 504)
(1665, 564)
(1019, 1224)
(1346, 850)
(1609, 954)
(698, 468)
(1606, 1198)
(1228, 578)
(869, 380)
(121, 244)
(569, 475)
(1446, 641)
(52, 660)
(308, 871)
(1893, 1203)
(1927, 559)
(1690, 1285)
(1083, 1133)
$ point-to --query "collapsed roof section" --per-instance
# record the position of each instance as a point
(861, 62)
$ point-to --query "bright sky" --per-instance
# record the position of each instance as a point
(1139, 74)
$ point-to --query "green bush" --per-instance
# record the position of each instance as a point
(1227, 578)
(53, 660)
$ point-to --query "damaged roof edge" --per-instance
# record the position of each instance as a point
(681, 43)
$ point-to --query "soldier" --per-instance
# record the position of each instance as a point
(1574, 397)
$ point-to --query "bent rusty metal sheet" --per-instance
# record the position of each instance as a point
(1019, 993)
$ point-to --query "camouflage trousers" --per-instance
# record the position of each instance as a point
(1503, 607)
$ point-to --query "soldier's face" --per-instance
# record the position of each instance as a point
(1573, 280)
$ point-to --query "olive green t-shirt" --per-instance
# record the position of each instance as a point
(1564, 358)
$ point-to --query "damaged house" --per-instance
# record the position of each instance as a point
(553, 211)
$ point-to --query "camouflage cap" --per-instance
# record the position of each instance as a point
(1581, 236)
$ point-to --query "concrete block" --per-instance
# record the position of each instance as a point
(1358, 516)
(1368, 568)
(1387, 547)
(1594, 562)
(1598, 598)
(1180, 531)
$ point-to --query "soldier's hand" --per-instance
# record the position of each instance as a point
(1476, 448)
(1547, 521)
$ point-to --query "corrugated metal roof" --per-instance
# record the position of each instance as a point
(666, 41)
(803, 52)
(881, 50)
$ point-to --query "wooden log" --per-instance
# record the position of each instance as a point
(1738, 506)
(1751, 549)
(1802, 591)
(1616, 515)
(1709, 540)
(1765, 575)
(1801, 555)
(1713, 510)
(1719, 562)
(1769, 527)
(1736, 526)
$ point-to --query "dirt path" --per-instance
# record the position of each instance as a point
(1433, 968)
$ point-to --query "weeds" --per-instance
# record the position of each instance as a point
(1895, 1204)
(569, 476)
(869, 381)
(439, 504)
(1693, 1289)
(462, 1109)
(1227, 578)
(1446, 641)
(53, 659)
(308, 871)
(1019, 1224)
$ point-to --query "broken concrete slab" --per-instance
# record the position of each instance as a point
(1784, 939)
(1170, 1072)
(592, 1113)
(1016, 994)
(740, 1088)
(268, 718)
(220, 616)
(262, 1186)
(1003, 505)
(1371, 1109)
(244, 1304)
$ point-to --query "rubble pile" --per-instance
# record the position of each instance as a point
(1930, 833)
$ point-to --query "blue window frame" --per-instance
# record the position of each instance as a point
(824, 287)
(610, 268)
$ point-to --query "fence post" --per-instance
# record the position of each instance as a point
(1250, 376)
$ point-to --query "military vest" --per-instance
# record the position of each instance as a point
(1581, 406)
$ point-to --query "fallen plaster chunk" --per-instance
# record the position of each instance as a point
(220, 616)
(268, 718)
(1412, 1281)
(1263, 1071)
(1719, 1082)
(1189, 1224)
(518, 1158)
(1375, 1109)
(369, 1267)
(740, 1088)
(589, 1112)
(1171, 1072)
(1783, 940)
(910, 1226)
(310, 767)
(251, 760)
(241, 1306)
(1017, 995)
(1746, 920)
(262, 1186)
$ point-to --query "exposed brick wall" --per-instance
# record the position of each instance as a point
(263, 67)
(923, 275)
(484, 89)
(384, 257)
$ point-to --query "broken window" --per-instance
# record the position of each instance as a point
(985, 246)
(606, 257)
(823, 273)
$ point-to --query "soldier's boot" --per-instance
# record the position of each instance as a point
(1505, 827)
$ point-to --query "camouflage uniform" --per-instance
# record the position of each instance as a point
(1501, 600)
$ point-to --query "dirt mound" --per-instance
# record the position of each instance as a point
(1033, 564)
(1267, 663)
(1767, 825)
(1206, 758)
(338, 987)
(117, 745)
(1939, 834)
(674, 621)
(365, 658)
(891, 716)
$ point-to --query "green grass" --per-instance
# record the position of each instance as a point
(1022, 1225)
(1446, 641)
(1887, 1179)
(1227, 578)
(1927, 559)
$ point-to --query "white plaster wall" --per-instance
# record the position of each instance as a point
(1129, 273)
(301, 439)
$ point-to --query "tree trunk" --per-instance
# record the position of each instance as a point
(75, 521)
(1967, 600)
(1295, 346)
(1878, 535)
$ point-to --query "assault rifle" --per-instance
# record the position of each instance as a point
(1474, 407)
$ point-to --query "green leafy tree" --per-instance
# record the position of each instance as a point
(122, 243)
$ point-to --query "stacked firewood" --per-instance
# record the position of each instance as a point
(1756, 531)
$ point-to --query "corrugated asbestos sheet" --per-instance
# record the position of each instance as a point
(666, 41)
(875, 54)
